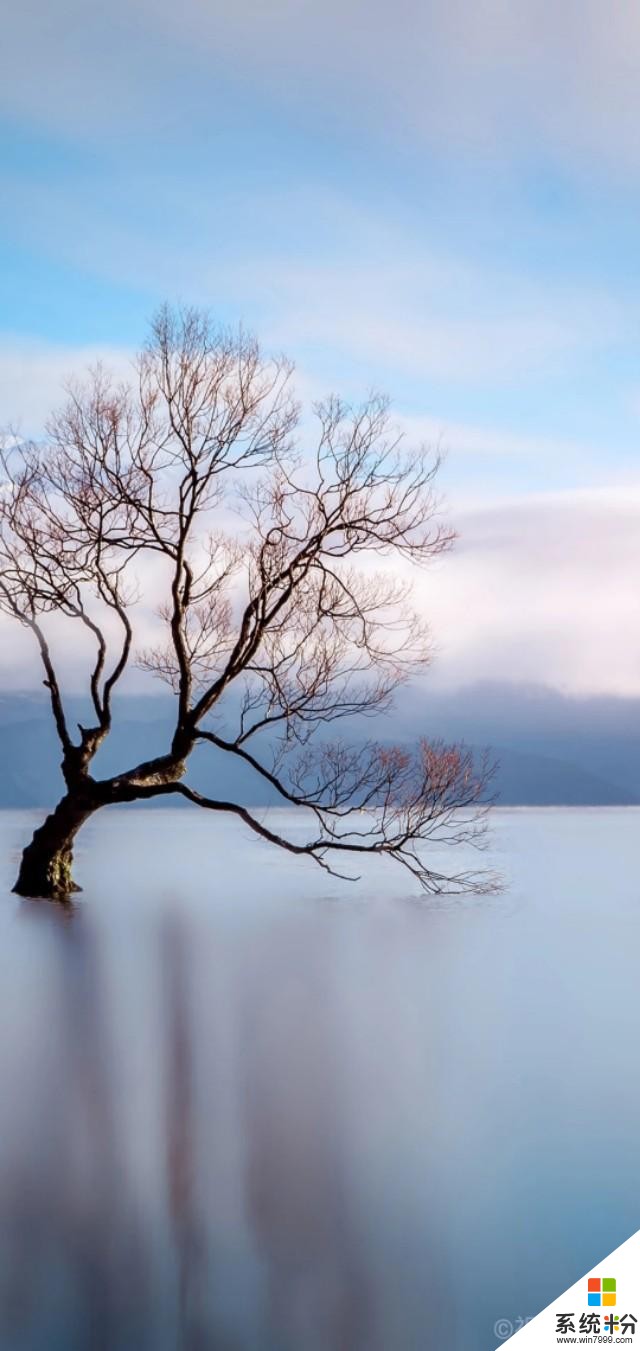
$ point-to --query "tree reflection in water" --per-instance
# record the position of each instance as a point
(179, 1141)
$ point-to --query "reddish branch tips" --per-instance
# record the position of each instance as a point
(286, 573)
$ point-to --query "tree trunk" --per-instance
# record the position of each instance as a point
(45, 870)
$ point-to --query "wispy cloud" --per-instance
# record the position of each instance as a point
(284, 164)
(363, 293)
(493, 78)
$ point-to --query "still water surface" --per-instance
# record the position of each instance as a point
(244, 1107)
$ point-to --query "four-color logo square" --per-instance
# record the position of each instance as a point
(601, 1291)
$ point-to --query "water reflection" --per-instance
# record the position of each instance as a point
(186, 1227)
(300, 1151)
(268, 1124)
(74, 1265)
(178, 1146)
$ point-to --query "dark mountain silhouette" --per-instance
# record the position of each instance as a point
(552, 748)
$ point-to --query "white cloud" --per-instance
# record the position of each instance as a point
(377, 305)
(543, 590)
(33, 375)
(540, 590)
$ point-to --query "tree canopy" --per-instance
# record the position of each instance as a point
(283, 577)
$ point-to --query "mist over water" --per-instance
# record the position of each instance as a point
(247, 1107)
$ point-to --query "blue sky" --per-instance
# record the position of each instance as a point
(439, 199)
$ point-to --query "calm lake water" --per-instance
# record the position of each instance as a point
(244, 1107)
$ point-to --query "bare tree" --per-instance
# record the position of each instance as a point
(275, 609)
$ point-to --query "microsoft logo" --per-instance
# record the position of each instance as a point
(601, 1290)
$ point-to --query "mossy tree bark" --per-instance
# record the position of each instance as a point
(47, 862)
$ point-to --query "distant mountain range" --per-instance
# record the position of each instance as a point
(551, 748)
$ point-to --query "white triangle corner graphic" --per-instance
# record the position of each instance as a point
(607, 1314)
